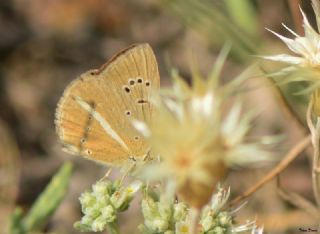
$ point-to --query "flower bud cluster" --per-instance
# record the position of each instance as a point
(215, 220)
(163, 216)
(101, 205)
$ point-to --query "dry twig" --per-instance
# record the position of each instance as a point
(298, 201)
(291, 155)
(315, 137)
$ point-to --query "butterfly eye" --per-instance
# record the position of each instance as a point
(131, 82)
(126, 89)
(147, 83)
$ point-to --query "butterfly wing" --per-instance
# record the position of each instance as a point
(93, 118)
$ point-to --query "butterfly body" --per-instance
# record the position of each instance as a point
(94, 115)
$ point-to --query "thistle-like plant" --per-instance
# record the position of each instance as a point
(164, 215)
(196, 141)
(305, 63)
(305, 66)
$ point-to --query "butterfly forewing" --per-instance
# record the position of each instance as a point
(94, 115)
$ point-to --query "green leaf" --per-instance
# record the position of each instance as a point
(244, 15)
(49, 199)
(213, 21)
(16, 226)
(113, 228)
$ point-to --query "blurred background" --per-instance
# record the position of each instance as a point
(45, 44)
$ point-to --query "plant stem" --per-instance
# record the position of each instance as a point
(315, 137)
(113, 228)
(316, 165)
(309, 118)
(298, 201)
(195, 215)
(286, 107)
(288, 158)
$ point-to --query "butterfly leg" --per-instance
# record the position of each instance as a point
(133, 163)
(106, 175)
(147, 157)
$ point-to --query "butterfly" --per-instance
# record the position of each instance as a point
(95, 113)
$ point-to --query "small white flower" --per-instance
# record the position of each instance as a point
(134, 187)
(182, 228)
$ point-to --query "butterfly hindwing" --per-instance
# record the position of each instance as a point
(94, 115)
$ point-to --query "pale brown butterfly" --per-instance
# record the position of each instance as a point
(94, 115)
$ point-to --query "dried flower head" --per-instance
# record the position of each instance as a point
(195, 140)
(305, 65)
